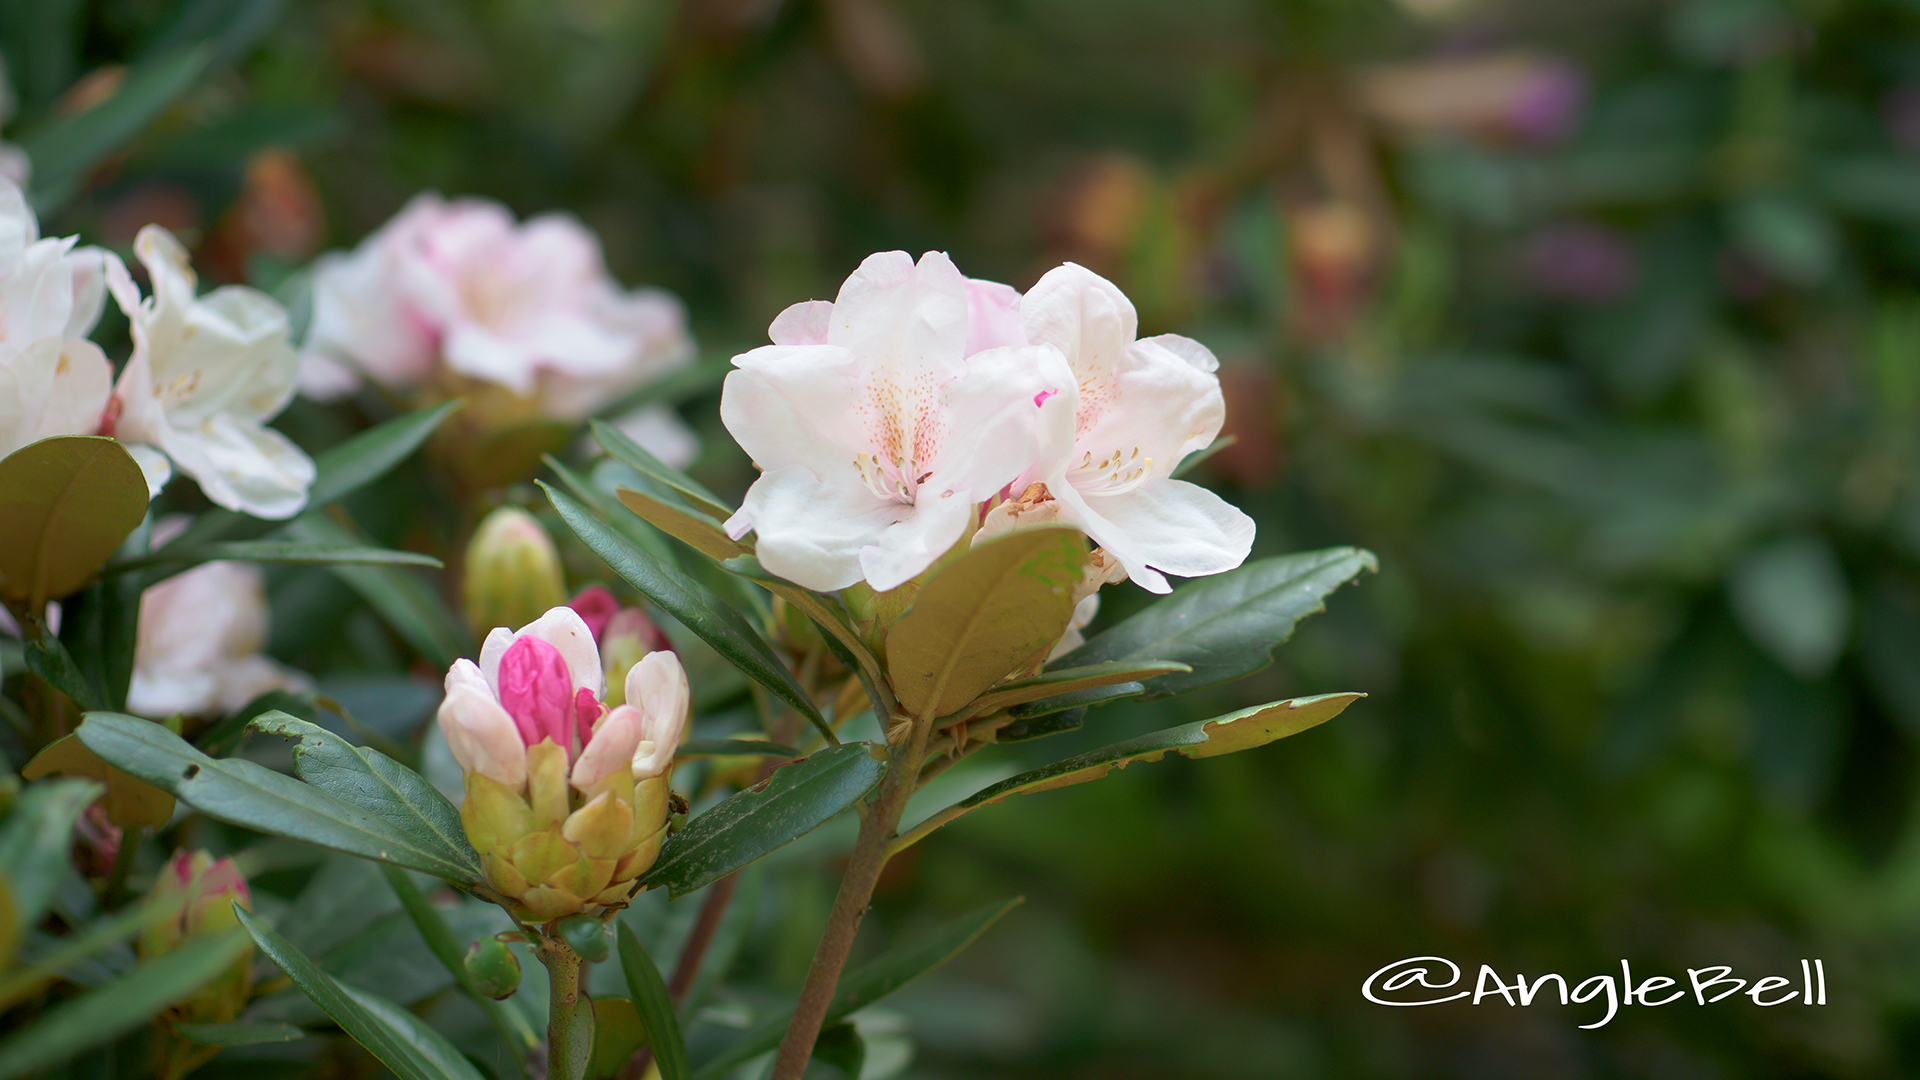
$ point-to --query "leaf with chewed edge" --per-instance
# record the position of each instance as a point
(1235, 731)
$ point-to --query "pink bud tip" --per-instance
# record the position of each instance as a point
(1040, 398)
(537, 691)
(595, 606)
(586, 710)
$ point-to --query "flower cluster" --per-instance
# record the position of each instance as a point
(886, 421)
(205, 376)
(457, 299)
(566, 799)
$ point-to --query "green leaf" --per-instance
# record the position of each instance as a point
(841, 1046)
(35, 841)
(636, 457)
(1079, 699)
(376, 783)
(1058, 681)
(100, 624)
(617, 1035)
(509, 1021)
(691, 527)
(106, 1013)
(609, 509)
(1229, 625)
(64, 148)
(1241, 730)
(697, 608)
(68, 503)
(48, 658)
(338, 472)
(28, 977)
(798, 798)
(995, 609)
(296, 552)
(869, 983)
(413, 608)
(400, 1040)
(239, 1033)
(242, 793)
(650, 1000)
(1027, 729)
(728, 747)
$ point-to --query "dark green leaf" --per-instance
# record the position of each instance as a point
(697, 608)
(402, 1041)
(1241, 730)
(635, 456)
(1226, 626)
(646, 536)
(727, 747)
(279, 551)
(869, 983)
(30, 974)
(617, 1035)
(796, 799)
(994, 610)
(1039, 727)
(414, 609)
(68, 503)
(1078, 699)
(48, 658)
(689, 526)
(36, 839)
(376, 783)
(841, 1046)
(654, 1006)
(242, 793)
(65, 147)
(239, 1033)
(452, 955)
(104, 1014)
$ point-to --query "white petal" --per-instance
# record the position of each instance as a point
(933, 525)
(478, 351)
(482, 736)
(804, 323)
(903, 317)
(612, 746)
(362, 317)
(993, 316)
(790, 405)
(997, 413)
(154, 466)
(810, 532)
(564, 629)
(1087, 318)
(242, 465)
(660, 432)
(17, 225)
(658, 687)
(89, 291)
(491, 650)
(1170, 525)
(1160, 404)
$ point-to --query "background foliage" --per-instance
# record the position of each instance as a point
(1625, 399)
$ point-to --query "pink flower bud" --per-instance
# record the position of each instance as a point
(483, 738)
(611, 748)
(595, 606)
(537, 691)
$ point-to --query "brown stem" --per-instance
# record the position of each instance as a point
(850, 906)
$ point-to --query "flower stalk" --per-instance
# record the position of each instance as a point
(569, 1013)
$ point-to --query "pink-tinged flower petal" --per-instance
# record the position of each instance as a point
(480, 734)
(611, 747)
(595, 605)
(804, 323)
(900, 315)
(537, 691)
(999, 411)
(788, 405)
(564, 629)
(1169, 525)
(811, 533)
(657, 686)
(993, 316)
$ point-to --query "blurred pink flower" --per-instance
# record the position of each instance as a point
(1578, 260)
(450, 291)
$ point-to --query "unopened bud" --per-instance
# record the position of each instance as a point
(494, 969)
(513, 571)
(193, 896)
(586, 936)
(628, 638)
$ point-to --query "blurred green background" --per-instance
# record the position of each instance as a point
(1598, 321)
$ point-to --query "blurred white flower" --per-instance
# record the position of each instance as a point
(206, 375)
(198, 646)
(14, 165)
(52, 380)
(877, 432)
(452, 293)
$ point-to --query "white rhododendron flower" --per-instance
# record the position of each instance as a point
(52, 380)
(207, 373)
(453, 291)
(878, 431)
(198, 648)
(1133, 410)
